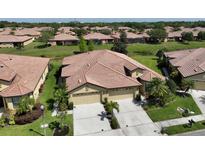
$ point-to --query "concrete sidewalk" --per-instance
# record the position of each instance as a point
(179, 121)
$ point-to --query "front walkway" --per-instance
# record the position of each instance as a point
(180, 121)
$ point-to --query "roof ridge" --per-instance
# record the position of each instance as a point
(119, 72)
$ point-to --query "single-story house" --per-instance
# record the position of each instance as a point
(93, 76)
(190, 64)
(124, 28)
(98, 38)
(100, 28)
(10, 41)
(133, 37)
(28, 32)
(174, 36)
(64, 39)
(20, 76)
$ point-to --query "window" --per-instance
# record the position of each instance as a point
(15, 100)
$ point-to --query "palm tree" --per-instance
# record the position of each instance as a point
(61, 98)
(110, 106)
(157, 88)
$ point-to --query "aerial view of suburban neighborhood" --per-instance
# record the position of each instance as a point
(102, 78)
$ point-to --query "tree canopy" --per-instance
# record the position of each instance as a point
(157, 35)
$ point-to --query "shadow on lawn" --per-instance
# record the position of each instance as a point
(36, 132)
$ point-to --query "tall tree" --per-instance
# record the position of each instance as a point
(90, 46)
(25, 104)
(121, 44)
(157, 35)
(82, 45)
(188, 36)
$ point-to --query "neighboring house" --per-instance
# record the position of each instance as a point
(133, 37)
(11, 41)
(98, 38)
(100, 28)
(64, 39)
(174, 36)
(190, 64)
(6, 31)
(90, 77)
(66, 30)
(20, 76)
(125, 28)
(28, 32)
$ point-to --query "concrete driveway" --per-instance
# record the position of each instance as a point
(89, 119)
(199, 98)
(133, 120)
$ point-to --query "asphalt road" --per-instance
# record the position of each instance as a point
(193, 133)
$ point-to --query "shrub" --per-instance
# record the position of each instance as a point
(11, 119)
(29, 117)
(70, 106)
(2, 121)
(54, 124)
(188, 36)
(114, 123)
(61, 131)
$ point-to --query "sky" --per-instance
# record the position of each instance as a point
(90, 20)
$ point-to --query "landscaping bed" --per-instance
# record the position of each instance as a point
(29, 117)
(184, 128)
(169, 111)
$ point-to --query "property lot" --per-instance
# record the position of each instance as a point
(89, 119)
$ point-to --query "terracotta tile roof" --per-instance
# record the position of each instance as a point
(131, 35)
(64, 37)
(13, 38)
(27, 32)
(103, 68)
(97, 36)
(26, 70)
(188, 62)
(101, 28)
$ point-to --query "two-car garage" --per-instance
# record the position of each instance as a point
(89, 95)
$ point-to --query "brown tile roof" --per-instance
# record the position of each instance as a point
(26, 71)
(188, 62)
(131, 35)
(13, 38)
(103, 68)
(64, 37)
(97, 36)
(27, 32)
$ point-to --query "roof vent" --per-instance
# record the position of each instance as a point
(195, 70)
(79, 81)
(10, 58)
(1, 66)
(88, 65)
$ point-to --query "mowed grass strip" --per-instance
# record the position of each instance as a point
(170, 110)
(172, 130)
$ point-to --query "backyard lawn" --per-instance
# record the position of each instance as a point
(144, 53)
(170, 110)
(183, 128)
(25, 130)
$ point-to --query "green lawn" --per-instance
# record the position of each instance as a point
(24, 130)
(144, 53)
(170, 110)
(183, 128)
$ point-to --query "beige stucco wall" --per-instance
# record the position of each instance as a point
(52, 43)
(137, 73)
(91, 94)
(6, 45)
(199, 81)
(41, 81)
(28, 42)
